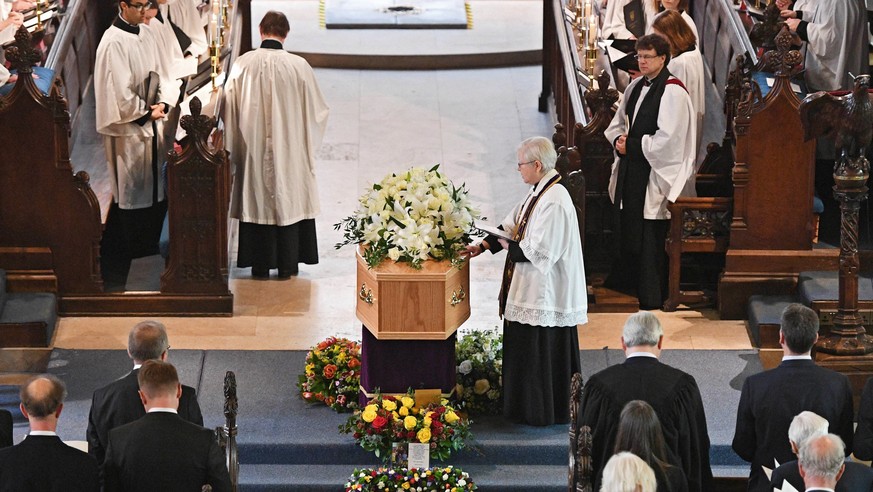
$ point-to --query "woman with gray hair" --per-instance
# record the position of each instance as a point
(543, 296)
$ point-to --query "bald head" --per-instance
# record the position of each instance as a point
(42, 397)
(821, 460)
(147, 341)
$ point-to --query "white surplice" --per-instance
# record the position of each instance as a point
(670, 151)
(613, 19)
(8, 34)
(548, 290)
(185, 15)
(688, 67)
(275, 117)
(837, 45)
(122, 67)
(171, 60)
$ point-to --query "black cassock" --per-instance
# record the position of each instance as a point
(674, 396)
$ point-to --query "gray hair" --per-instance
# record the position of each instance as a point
(538, 149)
(147, 341)
(642, 328)
(627, 472)
(822, 456)
(806, 425)
(799, 326)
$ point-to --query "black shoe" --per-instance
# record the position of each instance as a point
(286, 274)
(260, 274)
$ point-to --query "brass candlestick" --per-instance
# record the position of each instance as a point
(38, 15)
(214, 58)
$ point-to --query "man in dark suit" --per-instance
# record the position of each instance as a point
(672, 393)
(807, 425)
(770, 400)
(42, 461)
(5, 428)
(822, 461)
(161, 451)
(118, 403)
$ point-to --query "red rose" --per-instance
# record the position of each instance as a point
(353, 363)
(307, 395)
(329, 371)
(379, 422)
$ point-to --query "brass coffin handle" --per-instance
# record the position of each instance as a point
(458, 296)
(366, 294)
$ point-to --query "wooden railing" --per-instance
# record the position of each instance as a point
(563, 74)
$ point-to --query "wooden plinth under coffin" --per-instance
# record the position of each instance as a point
(398, 302)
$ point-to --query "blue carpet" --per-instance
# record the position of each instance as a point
(281, 436)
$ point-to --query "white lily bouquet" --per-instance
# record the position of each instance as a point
(411, 217)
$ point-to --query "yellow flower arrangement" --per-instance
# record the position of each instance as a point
(383, 423)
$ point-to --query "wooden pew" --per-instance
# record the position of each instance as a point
(702, 224)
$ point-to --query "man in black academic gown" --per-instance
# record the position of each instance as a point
(770, 399)
(42, 461)
(672, 393)
(161, 451)
(119, 403)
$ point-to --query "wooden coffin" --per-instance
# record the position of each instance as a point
(398, 302)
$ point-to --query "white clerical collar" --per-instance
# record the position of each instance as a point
(542, 182)
(136, 366)
(163, 409)
(42, 433)
(816, 489)
(642, 354)
(796, 357)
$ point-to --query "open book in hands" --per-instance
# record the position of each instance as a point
(495, 231)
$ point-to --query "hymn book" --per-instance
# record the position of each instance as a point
(634, 18)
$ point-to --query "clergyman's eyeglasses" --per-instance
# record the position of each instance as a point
(142, 7)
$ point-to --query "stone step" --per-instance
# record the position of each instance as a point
(28, 320)
(318, 478)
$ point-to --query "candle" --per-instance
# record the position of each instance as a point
(587, 8)
(592, 30)
(213, 28)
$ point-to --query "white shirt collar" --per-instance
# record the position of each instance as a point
(163, 409)
(642, 354)
(796, 357)
(136, 366)
(42, 433)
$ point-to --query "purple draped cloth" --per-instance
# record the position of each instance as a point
(394, 366)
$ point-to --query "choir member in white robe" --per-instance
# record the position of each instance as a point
(653, 135)
(543, 297)
(614, 22)
(680, 6)
(275, 117)
(184, 14)
(835, 41)
(686, 63)
(10, 20)
(131, 129)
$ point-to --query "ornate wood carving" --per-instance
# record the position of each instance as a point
(198, 181)
(580, 470)
(569, 166)
(226, 434)
(45, 207)
(782, 59)
(763, 33)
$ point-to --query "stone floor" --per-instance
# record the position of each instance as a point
(468, 121)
